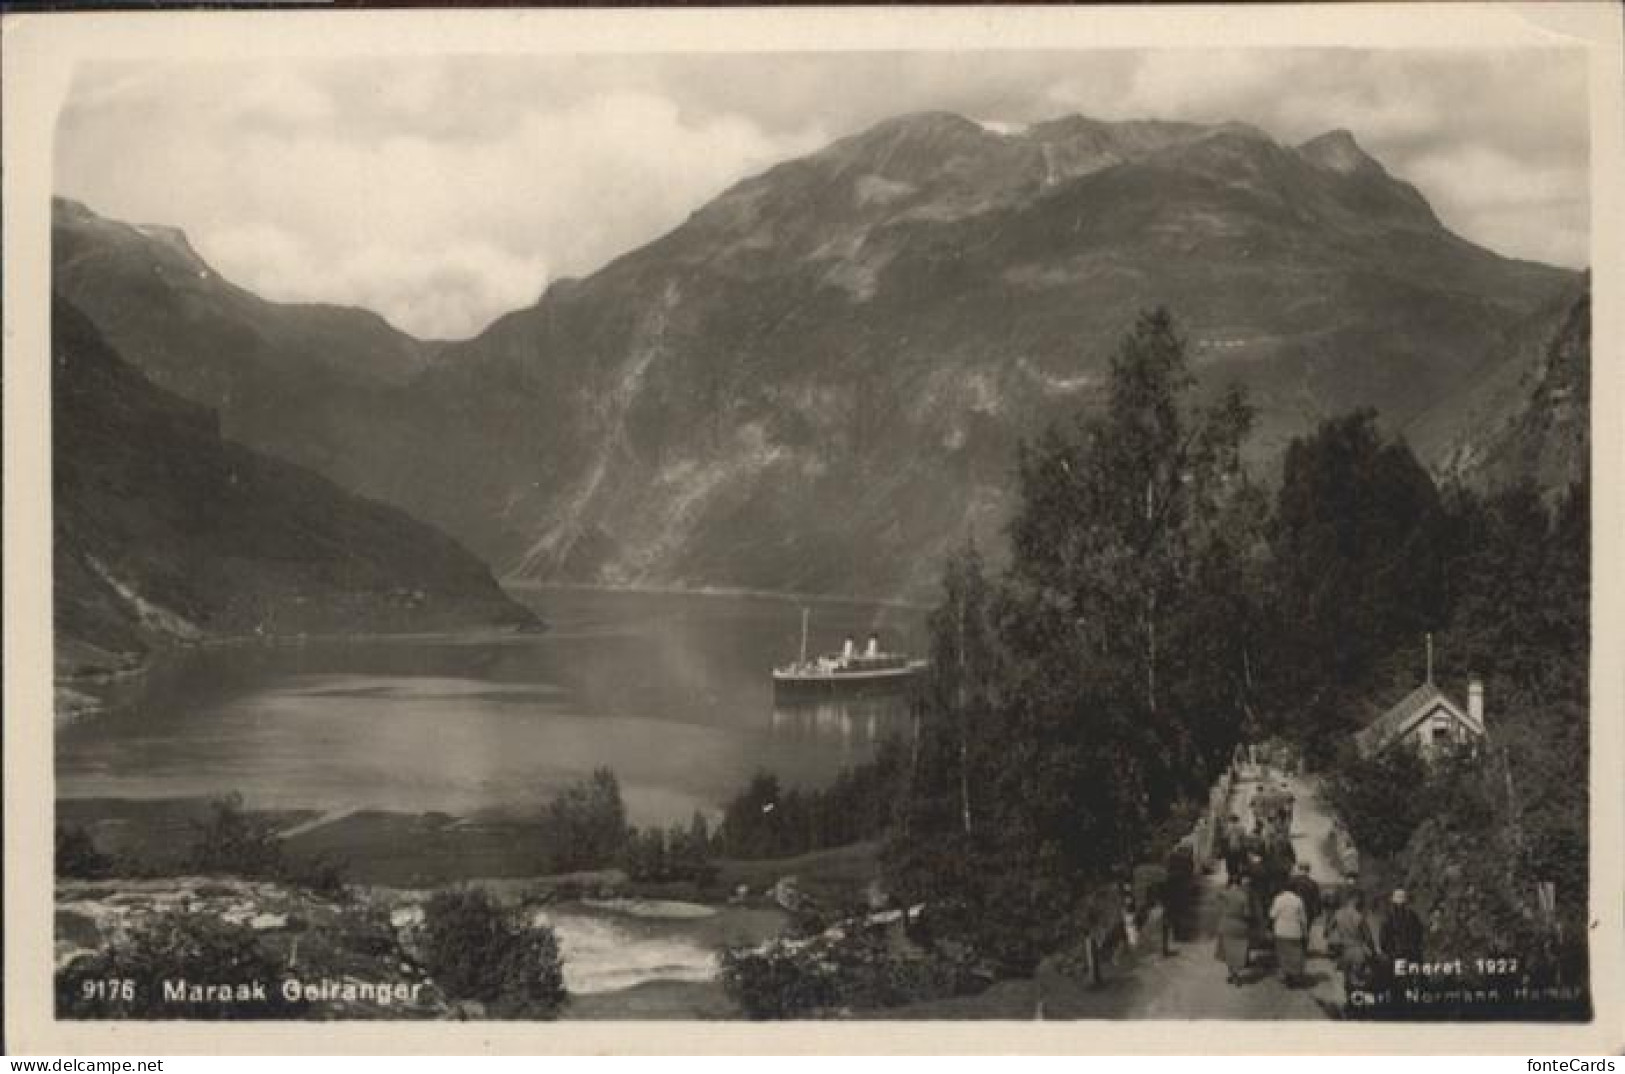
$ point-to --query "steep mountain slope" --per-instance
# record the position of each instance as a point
(1530, 421)
(165, 531)
(283, 377)
(819, 380)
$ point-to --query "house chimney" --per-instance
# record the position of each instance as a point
(1475, 700)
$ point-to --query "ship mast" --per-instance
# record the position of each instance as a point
(803, 635)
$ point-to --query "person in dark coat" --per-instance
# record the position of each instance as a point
(1235, 850)
(1235, 927)
(1307, 890)
(1401, 930)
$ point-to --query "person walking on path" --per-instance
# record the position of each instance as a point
(1401, 930)
(1235, 850)
(1307, 890)
(1235, 928)
(1349, 940)
(1291, 927)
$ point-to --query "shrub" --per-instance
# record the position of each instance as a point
(77, 857)
(778, 981)
(320, 875)
(853, 966)
(234, 841)
(476, 949)
(172, 949)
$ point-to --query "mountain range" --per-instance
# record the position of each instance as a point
(819, 380)
(165, 532)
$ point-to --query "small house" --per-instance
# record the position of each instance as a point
(1428, 720)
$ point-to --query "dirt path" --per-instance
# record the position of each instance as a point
(1191, 982)
(1311, 822)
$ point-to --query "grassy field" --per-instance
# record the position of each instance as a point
(156, 834)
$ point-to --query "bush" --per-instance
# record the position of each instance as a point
(476, 949)
(320, 875)
(778, 981)
(235, 842)
(854, 966)
(77, 857)
(198, 950)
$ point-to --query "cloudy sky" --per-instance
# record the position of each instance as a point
(444, 192)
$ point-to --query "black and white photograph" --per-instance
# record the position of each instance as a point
(1043, 533)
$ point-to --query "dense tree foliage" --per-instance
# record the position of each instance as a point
(585, 824)
(77, 856)
(1360, 554)
(766, 820)
(1363, 791)
(674, 854)
(1159, 608)
(1075, 701)
(1478, 834)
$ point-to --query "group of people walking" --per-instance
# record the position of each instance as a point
(1267, 900)
(1271, 900)
(1268, 894)
(1289, 911)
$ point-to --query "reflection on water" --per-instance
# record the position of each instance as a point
(673, 692)
(865, 721)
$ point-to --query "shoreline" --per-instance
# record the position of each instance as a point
(490, 633)
(736, 592)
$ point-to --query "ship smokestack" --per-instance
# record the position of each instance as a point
(848, 648)
(1475, 700)
(874, 646)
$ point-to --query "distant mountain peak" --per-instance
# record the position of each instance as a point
(918, 137)
(66, 212)
(933, 121)
(1236, 128)
(1337, 151)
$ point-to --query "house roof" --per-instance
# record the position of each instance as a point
(1398, 721)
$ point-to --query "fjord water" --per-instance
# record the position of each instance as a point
(671, 691)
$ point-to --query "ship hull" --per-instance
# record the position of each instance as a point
(845, 684)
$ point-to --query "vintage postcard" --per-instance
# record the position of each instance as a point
(814, 530)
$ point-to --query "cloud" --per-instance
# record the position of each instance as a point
(445, 192)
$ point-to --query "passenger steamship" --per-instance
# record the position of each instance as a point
(846, 672)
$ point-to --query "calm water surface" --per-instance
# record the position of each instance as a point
(671, 691)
